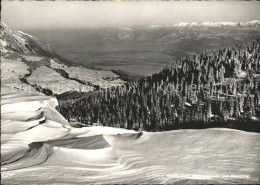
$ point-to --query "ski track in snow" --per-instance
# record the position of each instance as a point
(40, 147)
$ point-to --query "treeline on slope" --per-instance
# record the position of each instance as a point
(128, 77)
(219, 88)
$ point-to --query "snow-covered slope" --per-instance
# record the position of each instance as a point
(38, 146)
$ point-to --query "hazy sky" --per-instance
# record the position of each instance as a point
(73, 15)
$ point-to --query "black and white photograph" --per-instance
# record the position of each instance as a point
(130, 92)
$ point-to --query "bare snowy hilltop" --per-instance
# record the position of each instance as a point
(65, 123)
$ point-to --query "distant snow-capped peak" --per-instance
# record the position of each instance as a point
(254, 23)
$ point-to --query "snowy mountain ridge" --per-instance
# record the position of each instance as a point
(19, 42)
(254, 23)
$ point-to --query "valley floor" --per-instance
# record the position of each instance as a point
(23, 73)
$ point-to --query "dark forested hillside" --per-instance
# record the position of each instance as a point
(217, 88)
